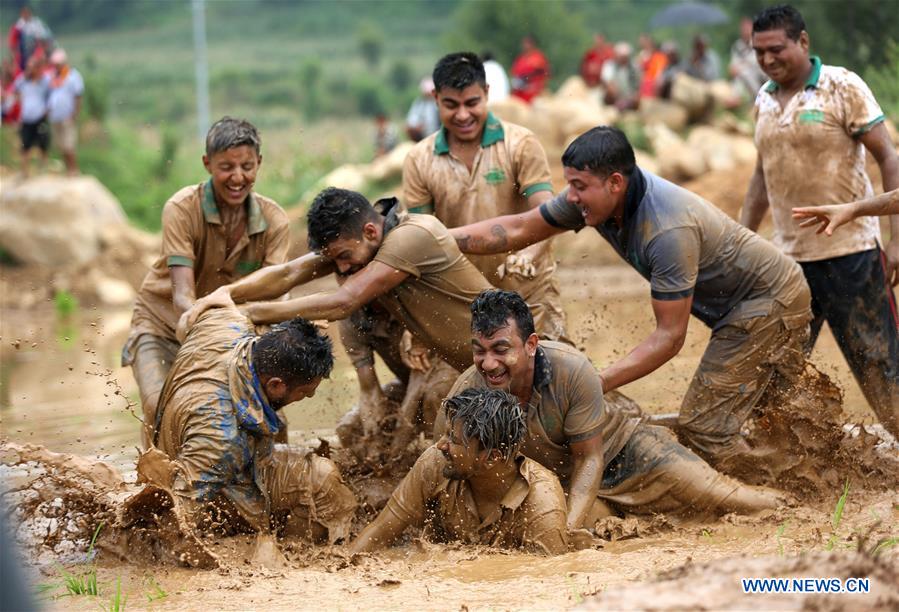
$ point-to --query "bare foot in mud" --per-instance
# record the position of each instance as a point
(267, 554)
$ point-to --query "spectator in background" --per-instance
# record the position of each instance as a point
(385, 135)
(497, 79)
(673, 68)
(530, 71)
(66, 89)
(594, 59)
(9, 101)
(28, 36)
(620, 78)
(705, 64)
(422, 120)
(744, 68)
(33, 88)
(653, 62)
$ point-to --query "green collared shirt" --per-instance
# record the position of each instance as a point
(812, 80)
(493, 133)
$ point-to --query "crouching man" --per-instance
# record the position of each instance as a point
(606, 458)
(475, 486)
(218, 418)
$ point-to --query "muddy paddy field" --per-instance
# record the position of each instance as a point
(62, 389)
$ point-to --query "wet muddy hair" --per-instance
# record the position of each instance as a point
(493, 308)
(491, 416)
(601, 151)
(294, 351)
(781, 17)
(228, 133)
(458, 71)
(337, 213)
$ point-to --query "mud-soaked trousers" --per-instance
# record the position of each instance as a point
(654, 473)
(852, 294)
(742, 359)
(150, 358)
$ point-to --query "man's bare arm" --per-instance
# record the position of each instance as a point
(534, 252)
(755, 204)
(274, 281)
(672, 318)
(586, 478)
(504, 234)
(381, 532)
(878, 142)
(183, 291)
(372, 281)
(831, 216)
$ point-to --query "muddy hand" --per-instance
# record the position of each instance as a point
(518, 264)
(220, 298)
(414, 355)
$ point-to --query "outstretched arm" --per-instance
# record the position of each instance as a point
(672, 317)
(878, 142)
(372, 281)
(274, 281)
(504, 234)
(832, 216)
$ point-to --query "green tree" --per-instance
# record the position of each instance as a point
(499, 25)
(400, 76)
(371, 43)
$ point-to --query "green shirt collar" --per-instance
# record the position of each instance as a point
(812, 77)
(493, 133)
(255, 220)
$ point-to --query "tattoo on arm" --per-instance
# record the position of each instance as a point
(498, 242)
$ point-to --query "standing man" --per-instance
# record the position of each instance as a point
(530, 70)
(32, 89)
(477, 167)
(212, 234)
(66, 89)
(697, 260)
(813, 124)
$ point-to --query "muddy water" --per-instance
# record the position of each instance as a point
(61, 386)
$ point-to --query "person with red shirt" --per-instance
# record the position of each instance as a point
(593, 60)
(530, 72)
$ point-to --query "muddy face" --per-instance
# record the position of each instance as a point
(462, 456)
(504, 359)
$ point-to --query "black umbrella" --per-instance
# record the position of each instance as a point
(688, 13)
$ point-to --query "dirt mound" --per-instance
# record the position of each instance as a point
(718, 585)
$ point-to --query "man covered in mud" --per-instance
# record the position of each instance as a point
(697, 260)
(212, 234)
(606, 458)
(474, 485)
(408, 263)
(813, 125)
(478, 167)
(217, 422)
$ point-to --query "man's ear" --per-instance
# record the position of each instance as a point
(617, 182)
(530, 345)
(804, 40)
(206, 163)
(370, 231)
(275, 388)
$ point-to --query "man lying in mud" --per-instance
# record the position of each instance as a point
(218, 417)
(606, 458)
(697, 260)
(474, 485)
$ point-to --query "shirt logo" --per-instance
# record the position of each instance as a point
(811, 116)
(495, 176)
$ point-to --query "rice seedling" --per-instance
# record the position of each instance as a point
(117, 602)
(837, 517)
(156, 591)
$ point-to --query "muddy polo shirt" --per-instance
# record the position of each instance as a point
(811, 155)
(566, 406)
(207, 420)
(684, 246)
(509, 167)
(531, 515)
(434, 303)
(193, 236)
